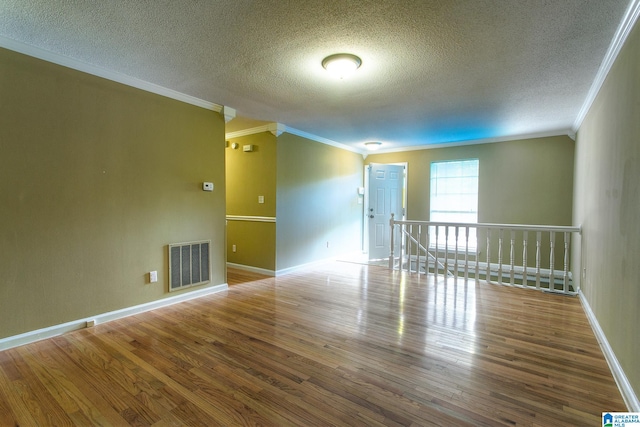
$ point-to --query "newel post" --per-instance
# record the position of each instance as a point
(391, 243)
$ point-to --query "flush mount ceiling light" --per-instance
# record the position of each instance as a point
(372, 145)
(341, 65)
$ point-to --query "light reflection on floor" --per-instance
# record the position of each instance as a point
(420, 307)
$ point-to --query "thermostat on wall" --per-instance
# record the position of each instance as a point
(207, 186)
(247, 148)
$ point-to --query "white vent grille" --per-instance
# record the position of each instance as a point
(189, 264)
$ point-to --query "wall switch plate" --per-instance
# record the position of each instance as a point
(207, 186)
(153, 276)
(233, 248)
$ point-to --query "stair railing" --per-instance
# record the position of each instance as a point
(456, 249)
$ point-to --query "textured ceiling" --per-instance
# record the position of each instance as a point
(433, 71)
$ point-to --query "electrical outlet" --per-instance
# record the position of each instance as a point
(233, 248)
(153, 276)
(91, 323)
(260, 199)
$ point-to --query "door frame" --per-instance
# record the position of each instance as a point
(365, 202)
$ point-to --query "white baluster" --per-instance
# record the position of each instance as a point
(426, 261)
(418, 250)
(407, 245)
(488, 272)
(500, 256)
(446, 251)
(435, 265)
(466, 253)
(567, 239)
(525, 237)
(512, 255)
(403, 229)
(477, 272)
(409, 248)
(391, 243)
(455, 255)
(552, 244)
(538, 243)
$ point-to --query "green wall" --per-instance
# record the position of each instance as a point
(607, 205)
(526, 181)
(96, 179)
(521, 182)
(255, 244)
(317, 201)
(249, 175)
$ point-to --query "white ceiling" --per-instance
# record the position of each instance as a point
(433, 71)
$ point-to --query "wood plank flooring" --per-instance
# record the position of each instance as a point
(339, 344)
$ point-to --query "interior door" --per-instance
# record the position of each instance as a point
(386, 188)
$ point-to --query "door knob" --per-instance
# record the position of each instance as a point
(370, 216)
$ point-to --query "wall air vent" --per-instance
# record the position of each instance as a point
(189, 264)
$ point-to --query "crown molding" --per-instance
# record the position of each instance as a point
(228, 113)
(546, 134)
(250, 131)
(624, 29)
(94, 70)
(321, 140)
(278, 129)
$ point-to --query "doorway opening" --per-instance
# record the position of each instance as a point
(385, 193)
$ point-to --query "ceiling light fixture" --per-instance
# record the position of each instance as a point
(372, 145)
(341, 65)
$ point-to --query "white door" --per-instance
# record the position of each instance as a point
(386, 185)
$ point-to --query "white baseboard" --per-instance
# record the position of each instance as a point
(303, 266)
(252, 269)
(55, 330)
(628, 394)
(281, 272)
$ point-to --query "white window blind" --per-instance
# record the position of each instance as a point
(454, 197)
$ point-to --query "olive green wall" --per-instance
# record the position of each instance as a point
(317, 201)
(96, 179)
(249, 175)
(607, 205)
(521, 182)
(255, 244)
(526, 181)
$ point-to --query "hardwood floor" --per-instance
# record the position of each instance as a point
(340, 344)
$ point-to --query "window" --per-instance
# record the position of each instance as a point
(454, 198)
